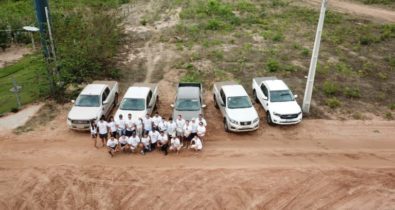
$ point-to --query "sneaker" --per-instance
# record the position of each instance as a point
(142, 152)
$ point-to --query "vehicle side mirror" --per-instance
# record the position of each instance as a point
(264, 97)
(204, 106)
(172, 105)
(105, 102)
(73, 101)
(295, 96)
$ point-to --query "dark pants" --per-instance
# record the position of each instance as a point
(153, 146)
(190, 137)
(129, 133)
(164, 148)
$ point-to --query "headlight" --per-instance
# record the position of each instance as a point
(277, 114)
(256, 120)
(233, 121)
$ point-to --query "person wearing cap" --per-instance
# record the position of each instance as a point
(112, 145)
(196, 144)
(201, 130)
(175, 144)
(200, 119)
(162, 142)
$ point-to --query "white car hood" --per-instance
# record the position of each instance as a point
(290, 107)
(135, 114)
(242, 115)
(84, 113)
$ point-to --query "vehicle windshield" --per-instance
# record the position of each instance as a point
(239, 102)
(281, 96)
(88, 101)
(187, 105)
(136, 104)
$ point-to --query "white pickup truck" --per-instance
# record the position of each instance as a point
(139, 100)
(95, 100)
(236, 108)
(277, 100)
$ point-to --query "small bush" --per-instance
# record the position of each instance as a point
(332, 102)
(388, 116)
(277, 37)
(272, 65)
(382, 76)
(305, 52)
(14, 110)
(330, 88)
(214, 24)
(352, 92)
(392, 106)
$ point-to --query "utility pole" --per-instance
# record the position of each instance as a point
(314, 58)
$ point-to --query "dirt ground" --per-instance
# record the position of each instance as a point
(325, 164)
(12, 54)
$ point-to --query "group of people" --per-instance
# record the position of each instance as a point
(149, 133)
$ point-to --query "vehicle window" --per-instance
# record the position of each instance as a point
(223, 96)
(88, 101)
(281, 96)
(264, 90)
(105, 94)
(239, 102)
(136, 104)
(187, 104)
(149, 98)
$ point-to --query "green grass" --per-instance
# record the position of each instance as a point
(30, 73)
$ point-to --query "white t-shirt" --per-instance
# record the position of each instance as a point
(112, 127)
(112, 143)
(198, 143)
(162, 125)
(147, 124)
(171, 127)
(134, 141)
(175, 142)
(120, 123)
(180, 124)
(201, 130)
(194, 127)
(187, 128)
(163, 139)
(102, 127)
(145, 140)
(154, 135)
(130, 124)
(123, 140)
(157, 120)
(198, 121)
(93, 130)
(139, 124)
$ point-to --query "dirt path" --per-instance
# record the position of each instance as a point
(12, 54)
(13, 121)
(367, 11)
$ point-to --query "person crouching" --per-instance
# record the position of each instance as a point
(112, 145)
(162, 143)
(196, 144)
(134, 143)
(175, 144)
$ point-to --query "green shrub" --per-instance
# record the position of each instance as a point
(277, 37)
(332, 102)
(272, 65)
(352, 92)
(388, 116)
(392, 106)
(305, 52)
(382, 76)
(330, 88)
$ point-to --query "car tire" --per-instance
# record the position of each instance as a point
(269, 118)
(215, 102)
(255, 97)
(226, 125)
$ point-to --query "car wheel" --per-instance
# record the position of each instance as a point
(269, 118)
(255, 97)
(215, 102)
(226, 125)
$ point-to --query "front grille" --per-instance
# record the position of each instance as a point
(289, 116)
(245, 123)
(80, 121)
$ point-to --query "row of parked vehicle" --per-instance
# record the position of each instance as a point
(98, 99)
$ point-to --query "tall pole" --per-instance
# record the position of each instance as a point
(314, 58)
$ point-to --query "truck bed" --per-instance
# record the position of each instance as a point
(109, 83)
(259, 80)
(152, 86)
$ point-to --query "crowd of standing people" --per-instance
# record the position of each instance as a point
(148, 133)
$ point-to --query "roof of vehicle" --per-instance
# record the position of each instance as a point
(137, 92)
(144, 84)
(276, 85)
(93, 89)
(234, 90)
(110, 84)
(188, 92)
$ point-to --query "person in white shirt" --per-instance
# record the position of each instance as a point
(112, 145)
(154, 135)
(111, 125)
(156, 120)
(162, 126)
(146, 141)
(134, 142)
(201, 131)
(175, 144)
(171, 127)
(120, 124)
(103, 130)
(180, 122)
(162, 142)
(196, 144)
(201, 120)
(139, 127)
(123, 142)
(130, 126)
(93, 129)
(147, 123)
(187, 129)
(194, 127)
